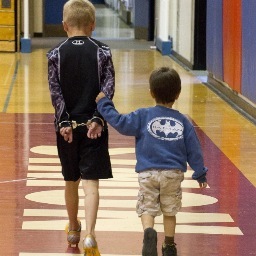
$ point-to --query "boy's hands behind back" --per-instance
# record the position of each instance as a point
(67, 134)
(94, 130)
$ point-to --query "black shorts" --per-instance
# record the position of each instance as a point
(84, 158)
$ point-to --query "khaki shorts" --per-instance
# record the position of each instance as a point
(159, 192)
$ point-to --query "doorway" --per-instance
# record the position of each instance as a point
(109, 23)
(53, 18)
(98, 1)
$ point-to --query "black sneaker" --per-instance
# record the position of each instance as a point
(169, 250)
(149, 242)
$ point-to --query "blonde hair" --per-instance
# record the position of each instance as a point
(79, 13)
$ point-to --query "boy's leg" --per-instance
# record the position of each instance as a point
(73, 227)
(147, 221)
(72, 203)
(170, 197)
(169, 247)
(169, 225)
(91, 203)
(147, 209)
(150, 236)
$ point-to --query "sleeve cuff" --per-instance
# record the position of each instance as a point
(202, 179)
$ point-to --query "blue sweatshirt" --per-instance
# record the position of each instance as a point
(165, 138)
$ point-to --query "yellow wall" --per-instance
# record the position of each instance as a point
(7, 27)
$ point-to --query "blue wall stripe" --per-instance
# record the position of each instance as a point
(214, 38)
(249, 49)
(53, 11)
(142, 13)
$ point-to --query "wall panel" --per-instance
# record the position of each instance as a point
(173, 11)
(214, 41)
(7, 26)
(38, 17)
(143, 23)
(53, 18)
(7, 33)
(199, 37)
(7, 18)
(232, 41)
(185, 46)
(249, 49)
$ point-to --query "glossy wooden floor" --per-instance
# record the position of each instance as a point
(219, 221)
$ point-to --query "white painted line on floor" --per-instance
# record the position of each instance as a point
(182, 217)
(130, 224)
(56, 197)
(65, 254)
(103, 183)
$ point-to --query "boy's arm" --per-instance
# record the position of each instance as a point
(107, 73)
(128, 124)
(107, 85)
(61, 115)
(195, 158)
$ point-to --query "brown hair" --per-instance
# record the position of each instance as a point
(165, 85)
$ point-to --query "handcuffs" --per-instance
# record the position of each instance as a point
(74, 124)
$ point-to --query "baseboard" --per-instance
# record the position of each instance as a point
(181, 60)
(36, 34)
(25, 45)
(235, 100)
(165, 47)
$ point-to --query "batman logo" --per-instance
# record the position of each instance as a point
(166, 128)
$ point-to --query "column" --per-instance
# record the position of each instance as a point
(26, 41)
(163, 42)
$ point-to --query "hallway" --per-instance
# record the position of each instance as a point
(219, 221)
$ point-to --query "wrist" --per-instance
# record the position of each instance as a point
(98, 120)
(64, 124)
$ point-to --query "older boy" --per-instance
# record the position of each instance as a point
(165, 142)
(78, 69)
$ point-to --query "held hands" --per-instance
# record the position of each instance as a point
(95, 129)
(100, 96)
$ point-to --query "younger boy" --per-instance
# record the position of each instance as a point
(165, 142)
(78, 69)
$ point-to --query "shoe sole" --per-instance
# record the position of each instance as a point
(91, 252)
